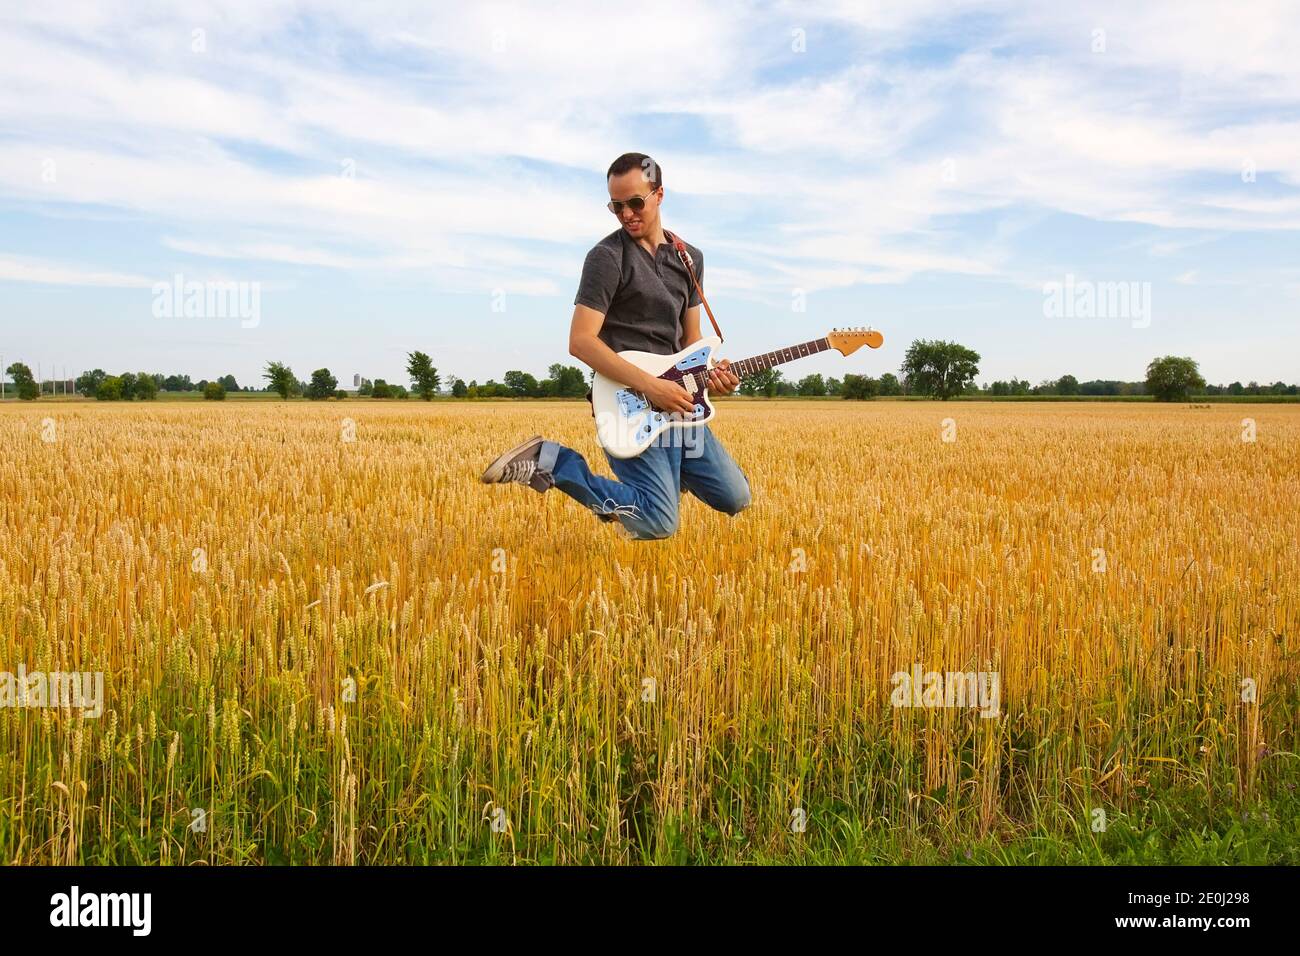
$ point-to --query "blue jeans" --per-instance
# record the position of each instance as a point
(649, 488)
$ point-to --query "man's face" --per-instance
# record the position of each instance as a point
(630, 185)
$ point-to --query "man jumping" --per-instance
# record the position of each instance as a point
(635, 293)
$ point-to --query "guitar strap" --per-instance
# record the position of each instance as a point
(685, 256)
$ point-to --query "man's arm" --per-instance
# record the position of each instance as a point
(690, 327)
(587, 347)
(596, 289)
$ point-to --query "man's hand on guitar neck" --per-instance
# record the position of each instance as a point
(722, 381)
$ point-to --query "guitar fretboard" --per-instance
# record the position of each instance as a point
(759, 363)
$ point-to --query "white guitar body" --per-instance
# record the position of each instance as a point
(626, 424)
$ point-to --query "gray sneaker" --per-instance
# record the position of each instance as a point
(519, 465)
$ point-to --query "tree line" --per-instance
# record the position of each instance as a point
(125, 386)
(945, 370)
(931, 368)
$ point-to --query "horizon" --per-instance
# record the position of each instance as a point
(1064, 191)
(261, 384)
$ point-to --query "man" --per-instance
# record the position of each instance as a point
(635, 293)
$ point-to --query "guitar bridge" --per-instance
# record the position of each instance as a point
(631, 402)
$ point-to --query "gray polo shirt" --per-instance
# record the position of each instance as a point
(641, 295)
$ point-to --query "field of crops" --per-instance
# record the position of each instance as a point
(322, 640)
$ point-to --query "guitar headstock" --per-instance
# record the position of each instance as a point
(848, 341)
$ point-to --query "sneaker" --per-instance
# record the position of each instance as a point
(519, 465)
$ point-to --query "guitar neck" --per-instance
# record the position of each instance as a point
(760, 363)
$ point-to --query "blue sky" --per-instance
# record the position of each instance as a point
(396, 176)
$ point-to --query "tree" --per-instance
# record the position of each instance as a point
(110, 389)
(889, 384)
(280, 378)
(1172, 378)
(521, 384)
(23, 381)
(322, 385)
(424, 377)
(228, 383)
(88, 382)
(128, 385)
(146, 387)
(458, 389)
(566, 381)
(766, 383)
(1067, 385)
(214, 392)
(381, 389)
(939, 369)
(833, 386)
(812, 385)
(366, 388)
(859, 387)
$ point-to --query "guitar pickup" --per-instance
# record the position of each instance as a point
(694, 360)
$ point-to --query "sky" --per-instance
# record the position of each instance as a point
(1064, 188)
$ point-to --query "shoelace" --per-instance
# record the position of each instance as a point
(613, 509)
(520, 471)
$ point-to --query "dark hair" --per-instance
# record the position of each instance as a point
(630, 161)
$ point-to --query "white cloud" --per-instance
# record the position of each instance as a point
(22, 269)
(479, 132)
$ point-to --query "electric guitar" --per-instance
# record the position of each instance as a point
(627, 424)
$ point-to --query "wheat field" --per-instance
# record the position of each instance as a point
(323, 641)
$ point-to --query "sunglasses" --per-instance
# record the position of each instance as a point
(636, 203)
